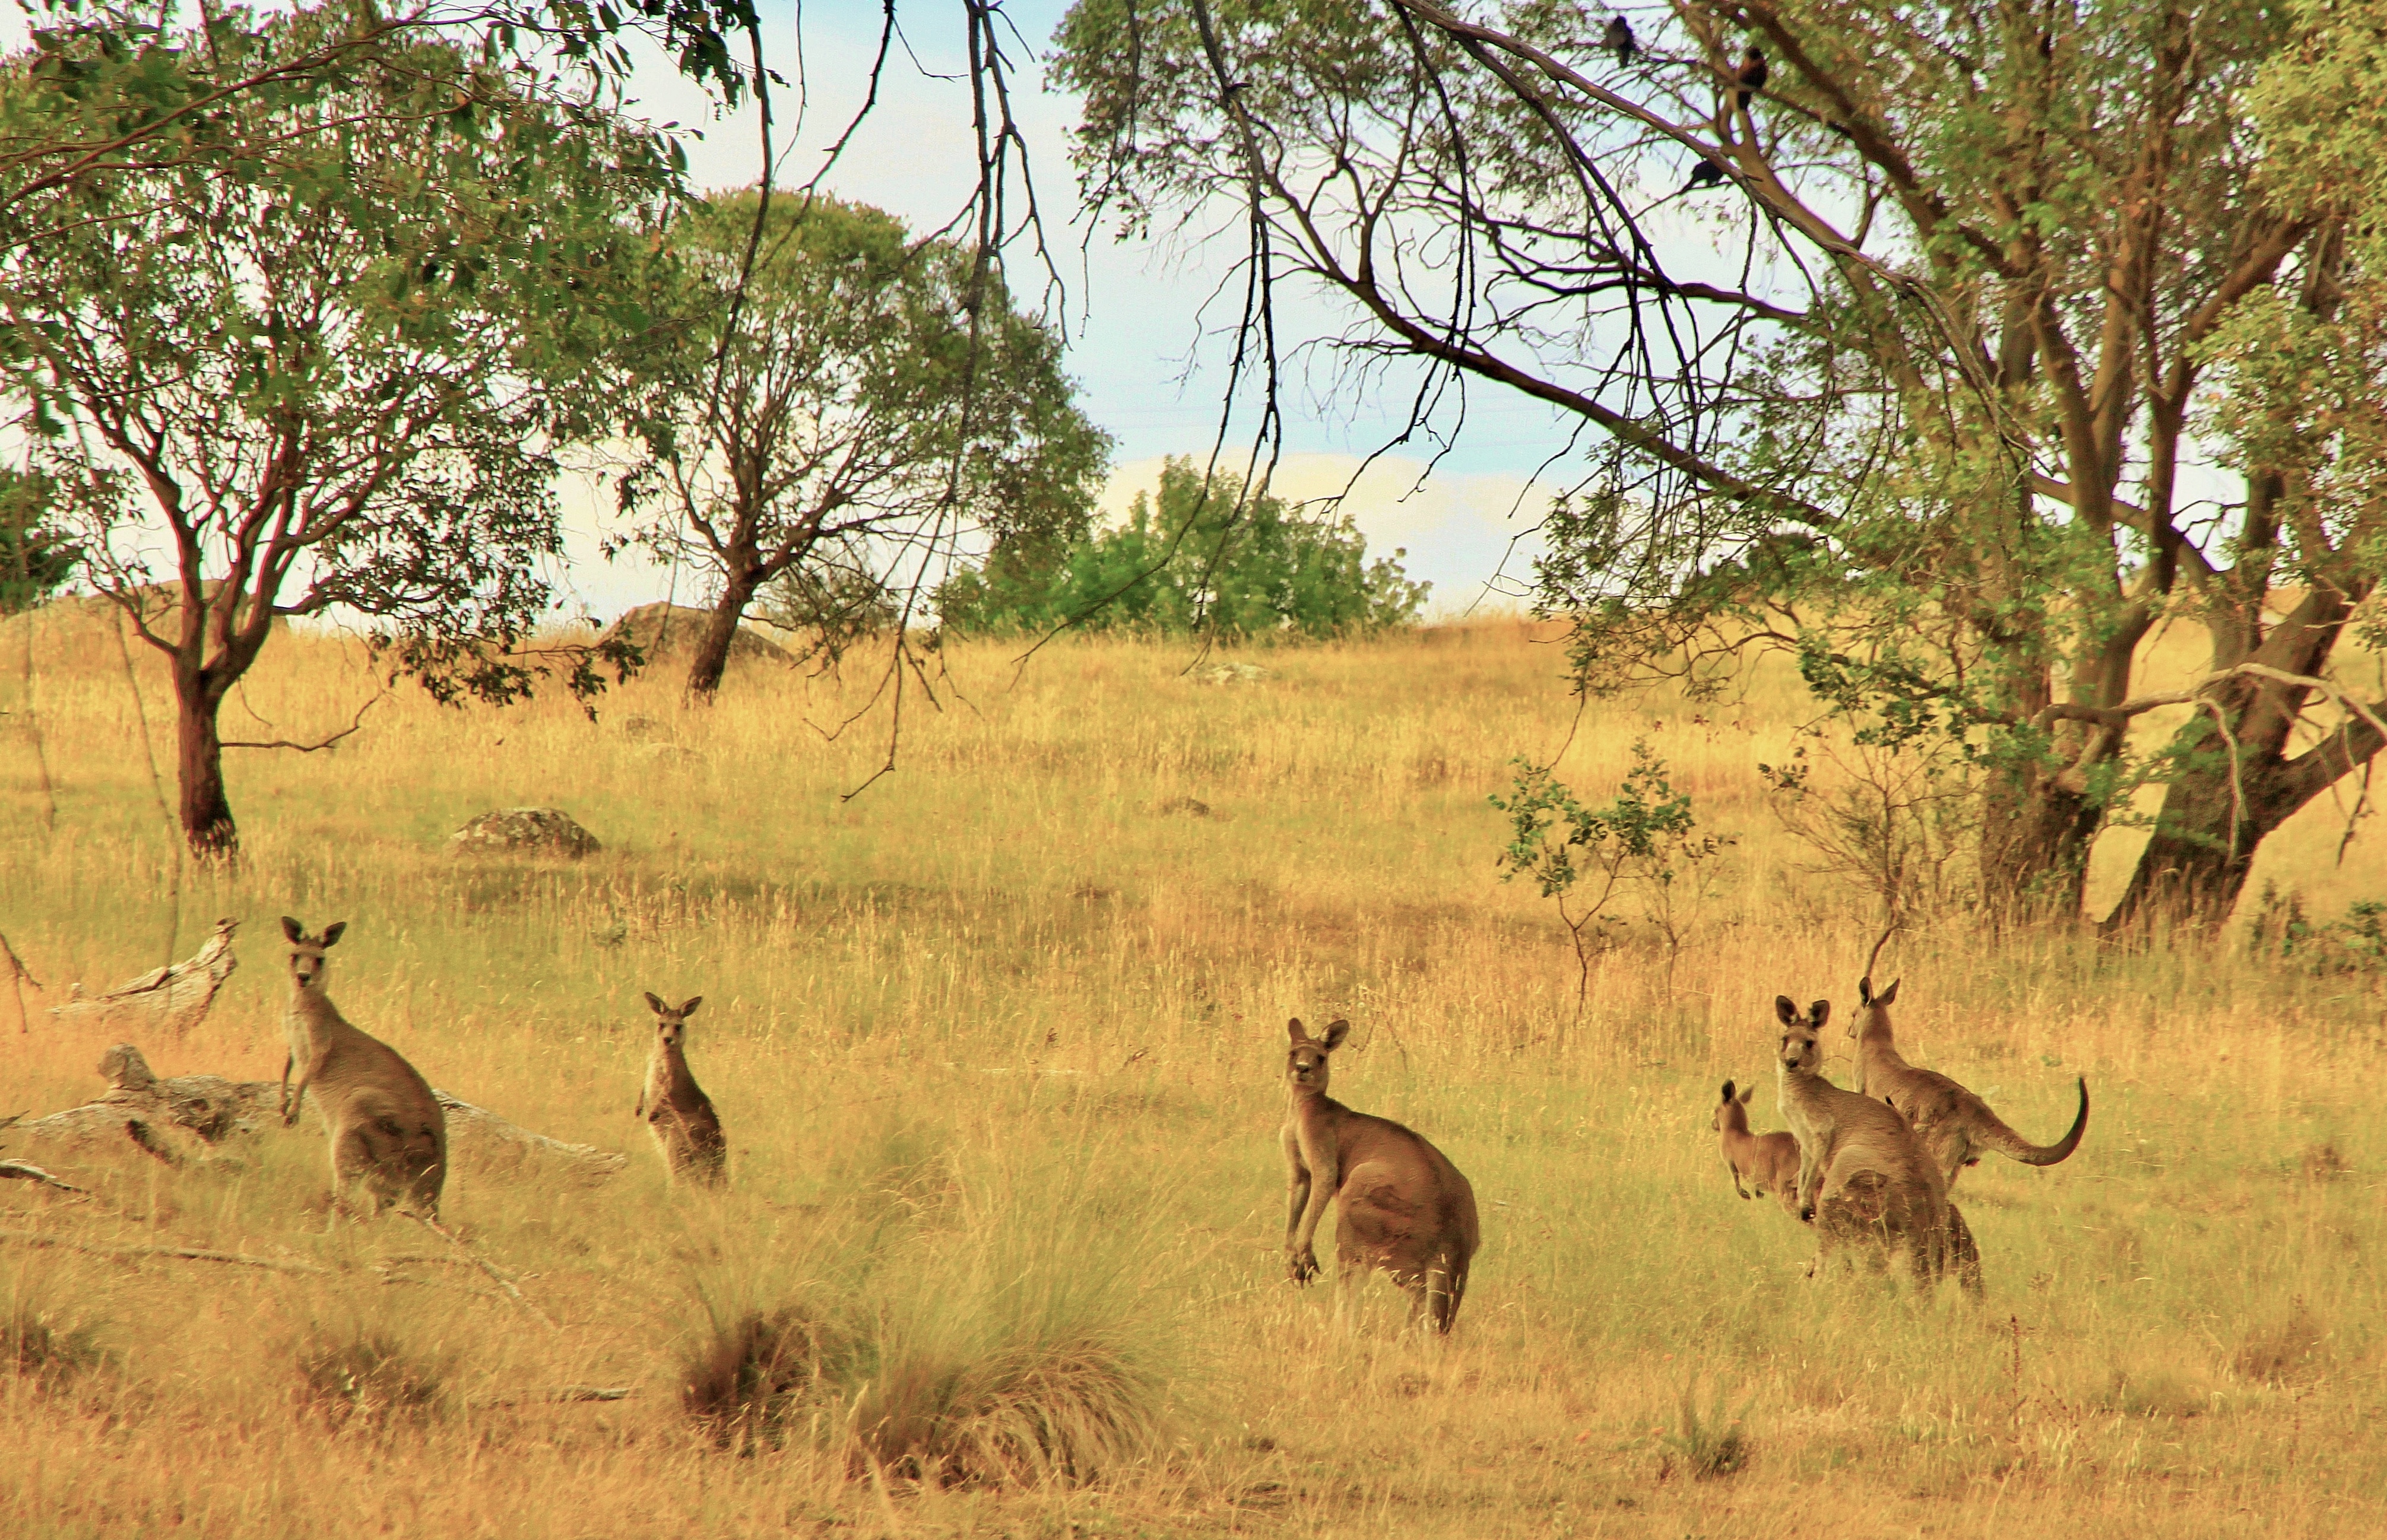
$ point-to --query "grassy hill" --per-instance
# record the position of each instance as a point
(996, 1043)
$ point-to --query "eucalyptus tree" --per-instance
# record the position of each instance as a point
(847, 407)
(1957, 351)
(107, 87)
(324, 369)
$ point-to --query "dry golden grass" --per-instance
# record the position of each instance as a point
(997, 1046)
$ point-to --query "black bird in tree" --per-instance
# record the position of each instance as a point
(1752, 75)
(1618, 38)
(1706, 173)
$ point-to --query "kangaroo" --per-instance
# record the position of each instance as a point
(1953, 1125)
(387, 1130)
(1404, 1207)
(677, 1111)
(1863, 1177)
(1768, 1162)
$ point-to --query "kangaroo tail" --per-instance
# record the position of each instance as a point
(2003, 1139)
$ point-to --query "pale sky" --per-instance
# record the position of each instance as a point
(1148, 361)
(1134, 317)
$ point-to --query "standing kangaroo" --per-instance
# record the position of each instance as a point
(1768, 1162)
(387, 1130)
(1953, 1125)
(1404, 1207)
(677, 1110)
(1863, 1177)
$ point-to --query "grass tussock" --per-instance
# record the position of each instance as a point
(952, 1326)
(2286, 1350)
(50, 1331)
(1710, 1444)
(355, 1367)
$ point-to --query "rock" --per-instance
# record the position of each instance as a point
(1191, 806)
(535, 830)
(170, 1000)
(641, 728)
(671, 630)
(670, 756)
(1231, 674)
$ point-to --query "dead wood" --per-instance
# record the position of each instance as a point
(185, 1254)
(490, 1141)
(139, 1106)
(19, 1170)
(170, 1000)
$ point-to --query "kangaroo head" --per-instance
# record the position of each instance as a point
(307, 969)
(671, 1025)
(1871, 1009)
(1802, 1049)
(1304, 1062)
(1732, 1113)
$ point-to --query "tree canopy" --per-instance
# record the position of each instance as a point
(848, 405)
(1960, 356)
(325, 370)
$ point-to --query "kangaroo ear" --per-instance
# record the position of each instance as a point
(1294, 1030)
(293, 930)
(693, 1001)
(1336, 1030)
(1819, 1012)
(654, 1005)
(1748, 1091)
(1888, 996)
(1864, 991)
(1785, 1010)
(331, 931)
(1727, 1090)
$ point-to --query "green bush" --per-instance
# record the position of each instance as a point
(2354, 944)
(1183, 562)
(35, 559)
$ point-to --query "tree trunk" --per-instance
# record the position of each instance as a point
(206, 813)
(2193, 869)
(2035, 839)
(720, 631)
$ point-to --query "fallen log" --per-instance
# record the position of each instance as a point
(138, 1104)
(170, 1000)
(491, 1141)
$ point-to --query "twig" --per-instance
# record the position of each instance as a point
(185, 1254)
(354, 724)
(442, 1283)
(174, 835)
(501, 1280)
(20, 976)
(1875, 955)
(562, 1393)
(23, 1172)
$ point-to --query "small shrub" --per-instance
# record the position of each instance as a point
(43, 1337)
(2281, 929)
(1707, 1447)
(1645, 838)
(746, 1374)
(2281, 1352)
(365, 1374)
